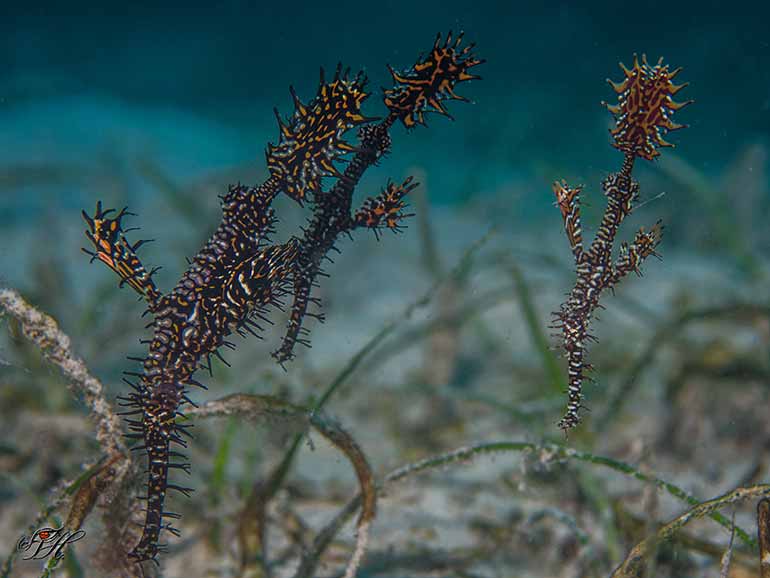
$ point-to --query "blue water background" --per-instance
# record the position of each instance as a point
(89, 88)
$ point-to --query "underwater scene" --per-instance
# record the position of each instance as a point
(393, 290)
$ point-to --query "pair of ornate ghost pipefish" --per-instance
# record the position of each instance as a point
(239, 276)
